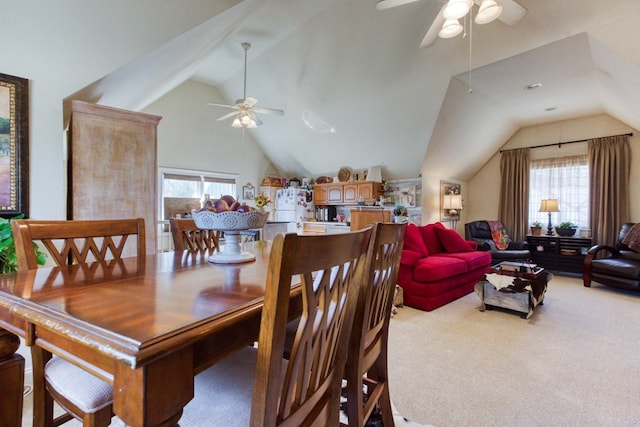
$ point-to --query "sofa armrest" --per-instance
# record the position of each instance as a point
(594, 250)
(518, 246)
(473, 244)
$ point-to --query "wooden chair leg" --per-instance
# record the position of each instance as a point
(42, 401)
(355, 398)
(379, 373)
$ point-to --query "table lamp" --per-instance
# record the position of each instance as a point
(549, 205)
(452, 203)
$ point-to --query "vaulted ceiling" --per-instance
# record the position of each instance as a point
(443, 110)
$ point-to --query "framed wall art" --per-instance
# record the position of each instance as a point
(248, 191)
(14, 146)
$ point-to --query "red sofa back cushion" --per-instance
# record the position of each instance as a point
(430, 237)
(452, 241)
(413, 241)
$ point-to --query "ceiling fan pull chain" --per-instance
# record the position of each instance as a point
(470, 48)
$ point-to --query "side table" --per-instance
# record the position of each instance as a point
(513, 290)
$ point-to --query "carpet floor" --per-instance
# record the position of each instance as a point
(573, 363)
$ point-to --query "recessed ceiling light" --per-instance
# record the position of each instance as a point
(549, 108)
(533, 86)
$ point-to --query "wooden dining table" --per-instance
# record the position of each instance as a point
(145, 325)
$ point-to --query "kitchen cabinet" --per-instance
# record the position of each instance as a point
(361, 217)
(350, 193)
(334, 194)
(346, 193)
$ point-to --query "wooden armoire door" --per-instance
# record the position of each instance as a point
(113, 166)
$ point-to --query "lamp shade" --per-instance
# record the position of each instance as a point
(452, 201)
(450, 28)
(375, 174)
(549, 205)
(456, 9)
(489, 11)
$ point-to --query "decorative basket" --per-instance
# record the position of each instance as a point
(566, 232)
(230, 220)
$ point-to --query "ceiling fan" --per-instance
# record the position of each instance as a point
(446, 24)
(244, 113)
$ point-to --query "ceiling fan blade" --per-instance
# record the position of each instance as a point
(388, 4)
(226, 116)
(222, 105)
(268, 111)
(512, 12)
(436, 26)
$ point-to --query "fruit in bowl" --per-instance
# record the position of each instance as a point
(225, 203)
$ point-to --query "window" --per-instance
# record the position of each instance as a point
(181, 191)
(565, 179)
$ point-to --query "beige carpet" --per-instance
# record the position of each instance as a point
(574, 362)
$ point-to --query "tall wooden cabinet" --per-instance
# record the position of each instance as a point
(113, 166)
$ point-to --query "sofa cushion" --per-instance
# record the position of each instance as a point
(452, 241)
(413, 240)
(410, 258)
(434, 268)
(474, 259)
(430, 238)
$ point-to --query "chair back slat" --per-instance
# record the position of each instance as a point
(367, 354)
(78, 241)
(306, 391)
(186, 235)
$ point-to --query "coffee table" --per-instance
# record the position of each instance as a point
(520, 291)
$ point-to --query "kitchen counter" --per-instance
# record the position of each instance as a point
(324, 227)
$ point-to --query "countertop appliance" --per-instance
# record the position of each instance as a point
(294, 205)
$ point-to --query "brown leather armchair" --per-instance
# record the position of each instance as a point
(617, 266)
(480, 231)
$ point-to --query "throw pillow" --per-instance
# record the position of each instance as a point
(430, 238)
(413, 240)
(452, 241)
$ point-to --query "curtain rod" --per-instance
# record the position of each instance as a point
(567, 142)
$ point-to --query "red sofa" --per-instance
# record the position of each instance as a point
(438, 266)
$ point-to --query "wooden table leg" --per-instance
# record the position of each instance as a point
(154, 393)
(11, 380)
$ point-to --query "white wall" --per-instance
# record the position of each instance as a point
(62, 52)
(483, 189)
(189, 137)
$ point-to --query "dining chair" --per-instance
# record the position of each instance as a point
(367, 386)
(257, 386)
(186, 235)
(81, 394)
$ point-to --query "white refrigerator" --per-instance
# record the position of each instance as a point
(294, 205)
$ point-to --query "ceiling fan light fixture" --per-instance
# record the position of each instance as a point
(236, 123)
(450, 28)
(456, 9)
(488, 12)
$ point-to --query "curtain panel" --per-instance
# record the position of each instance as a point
(513, 208)
(610, 166)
